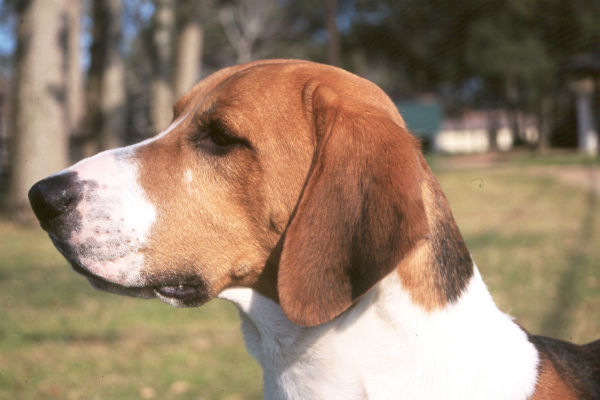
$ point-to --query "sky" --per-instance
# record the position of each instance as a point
(7, 40)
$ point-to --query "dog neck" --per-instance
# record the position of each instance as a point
(389, 346)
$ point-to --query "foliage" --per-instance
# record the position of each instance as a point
(436, 43)
(496, 53)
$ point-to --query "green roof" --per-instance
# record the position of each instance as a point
(422, 119)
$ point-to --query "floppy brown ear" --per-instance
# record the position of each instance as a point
(359, 214)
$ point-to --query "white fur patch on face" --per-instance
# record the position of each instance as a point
(115, 218)
(189, 179)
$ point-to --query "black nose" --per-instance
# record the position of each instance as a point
(54, 196)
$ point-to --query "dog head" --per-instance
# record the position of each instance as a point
(293, 178)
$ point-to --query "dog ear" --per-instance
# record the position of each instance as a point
(359, 214)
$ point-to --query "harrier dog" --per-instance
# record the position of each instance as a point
(295, 191)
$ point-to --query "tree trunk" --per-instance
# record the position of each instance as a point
(333, 47)
(587, 137)
(545, 123)
(493, 127)
(244, 23)
(113, 82)
(162, 39)
(190, 40)
(511, 88)
(105, 119)
(75, 93)
(40, 132)
(93, 93)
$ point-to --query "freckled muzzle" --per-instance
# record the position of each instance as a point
(55, 202)
(99, 218)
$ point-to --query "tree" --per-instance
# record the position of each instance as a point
(419, 43)
(519, 52)
(190, 40)
(105, 119)
(40, 134)
(333, 47)
(244, 23)
(520, 79)
(162, 44)
(75, 93)
(502, 54)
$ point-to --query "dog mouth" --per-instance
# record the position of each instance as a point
(182, 294)
(178, 294)
(182, 291)
(105, 286)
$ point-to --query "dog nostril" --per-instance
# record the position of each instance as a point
(54, 196)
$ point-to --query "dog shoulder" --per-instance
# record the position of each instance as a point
(567, 370)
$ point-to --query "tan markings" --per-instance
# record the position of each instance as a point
(418, 277)
(417, 271)
(437, 271)
(430, 200)
(550, 386)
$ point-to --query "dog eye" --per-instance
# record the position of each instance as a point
(216, 138)
(220, 137)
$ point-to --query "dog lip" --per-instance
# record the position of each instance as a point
(140, 292)
(184, 293)
(100, 282)
(190, 294)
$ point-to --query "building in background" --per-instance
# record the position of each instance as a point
(480, 131)
(423, 118)
(473, 131)
(584, 74)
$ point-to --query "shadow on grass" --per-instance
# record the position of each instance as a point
(490, 236)
(72, 338)
(559, 318)
(21, 339)
(494, 239)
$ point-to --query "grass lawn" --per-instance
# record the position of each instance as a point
(535, 239)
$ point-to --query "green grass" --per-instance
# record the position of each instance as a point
(60, 339)
(536, 241)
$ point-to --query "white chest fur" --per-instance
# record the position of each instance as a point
(386, 347)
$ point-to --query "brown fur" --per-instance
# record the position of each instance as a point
(550, 386)
(356, 218)
(567, 371)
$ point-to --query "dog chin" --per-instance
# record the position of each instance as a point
(140, 292)
(176, 295)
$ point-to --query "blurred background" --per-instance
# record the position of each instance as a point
(503, 94)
